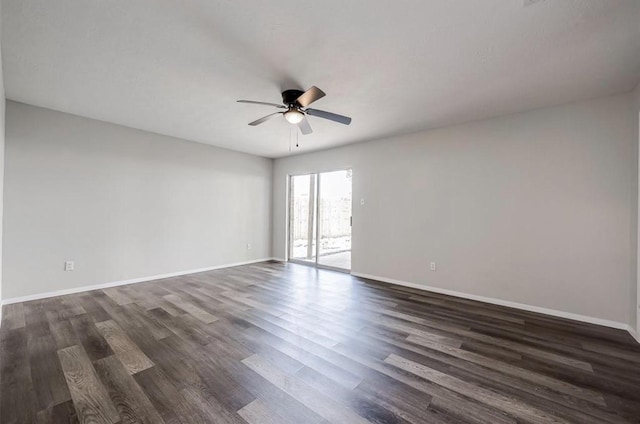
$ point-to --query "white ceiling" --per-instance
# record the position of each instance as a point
(177, 67)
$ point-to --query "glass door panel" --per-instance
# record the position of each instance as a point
(334, 219)
(302, 225)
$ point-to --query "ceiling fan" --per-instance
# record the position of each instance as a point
(296, 103)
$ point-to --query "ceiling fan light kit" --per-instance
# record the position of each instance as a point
(296, 103)
(294, 116)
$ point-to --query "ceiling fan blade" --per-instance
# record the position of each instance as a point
(330, 116)
(304, 126)
(310, 96)
(262, 103)
(264, 119)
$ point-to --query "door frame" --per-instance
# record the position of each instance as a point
(289, 217)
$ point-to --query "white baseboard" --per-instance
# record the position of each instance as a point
(124, 282)
(522, 306)
(634, 333)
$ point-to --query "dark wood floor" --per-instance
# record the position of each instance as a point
(277, 343)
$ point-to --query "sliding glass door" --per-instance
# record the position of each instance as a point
(302, 229)
(320, 219)
(334, 219)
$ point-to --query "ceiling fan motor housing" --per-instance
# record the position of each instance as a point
(289, 97)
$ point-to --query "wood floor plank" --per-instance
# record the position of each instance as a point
(337, 374)
(93, 308)
(448, 400)
(258, 412)
(137, 317)
(284, 343)
(18, 402)
(50, 387)
(286, 405)
(314, 400)
(210, 407)
(406, 402)
(13, 316)
(90, 398)
(118, 296)
(179, 326)
(520, 348)
(512, 385)
(212, 367)
(480, 394)
(93, 342)
(365, 407)
(166, 398)
(71, 305)
(62, 332)
(127, 396)
(506, 368)
(133, 359)
(35, 316)
(62, 413)
(190, 308)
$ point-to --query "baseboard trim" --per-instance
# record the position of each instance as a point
(124, 282)
(515, 305)
(633, 333)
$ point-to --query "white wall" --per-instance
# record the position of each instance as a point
(122, 203)
(2, 119)
(534, 208)
(635, 287)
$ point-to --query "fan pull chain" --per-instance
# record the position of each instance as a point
(297, 137)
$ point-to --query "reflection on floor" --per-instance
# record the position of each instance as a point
(340, 260)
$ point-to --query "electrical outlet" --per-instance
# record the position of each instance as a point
(433, 266)
(248, 246)
(69, 265)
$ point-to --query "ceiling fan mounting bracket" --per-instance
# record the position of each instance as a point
(289, 97)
